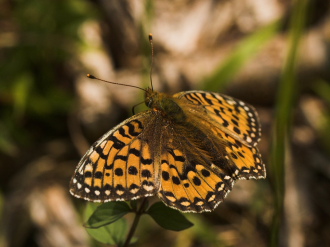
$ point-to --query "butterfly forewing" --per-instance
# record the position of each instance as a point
(119, 166)
(233, 116)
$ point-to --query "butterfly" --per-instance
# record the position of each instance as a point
(188, 149)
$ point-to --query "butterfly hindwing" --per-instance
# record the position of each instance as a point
(246, 160)
(189, 185)
(119, 166)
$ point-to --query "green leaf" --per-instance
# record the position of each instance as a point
(114, 234)
(168, 218)
(133, 205)
(107, 213)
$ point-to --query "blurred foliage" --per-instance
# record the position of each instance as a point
(284, 111)
(245, 51)
(35, 88)
(322, 89)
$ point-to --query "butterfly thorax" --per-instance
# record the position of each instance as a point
(165, 104)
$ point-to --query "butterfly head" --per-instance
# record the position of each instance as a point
(166, 104)
(151, 98)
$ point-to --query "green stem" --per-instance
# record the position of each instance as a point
(285, 104)
(138, 214)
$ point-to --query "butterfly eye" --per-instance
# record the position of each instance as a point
(148, 102)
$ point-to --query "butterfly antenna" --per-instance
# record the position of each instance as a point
(152, 59)
(133, 108)
(121, 84)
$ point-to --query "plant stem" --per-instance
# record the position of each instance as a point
(285, 103)
(138, 214)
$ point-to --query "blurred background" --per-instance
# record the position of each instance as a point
(50, 113)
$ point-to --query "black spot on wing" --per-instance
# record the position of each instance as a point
(119, 172)
(98, 175)
(132, 170)
(165, 175)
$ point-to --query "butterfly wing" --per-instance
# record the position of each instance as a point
(233, 116)
(147, 155)
(189, 185)
(119, 166)
(235, 123)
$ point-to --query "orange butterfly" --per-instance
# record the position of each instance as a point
(188, 149)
